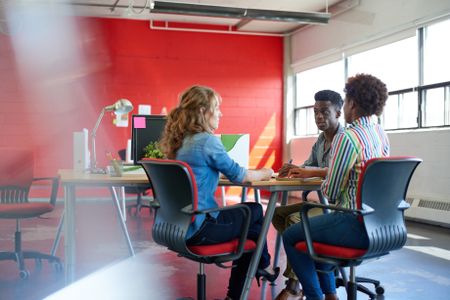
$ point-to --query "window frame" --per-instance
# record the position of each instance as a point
(421, 90)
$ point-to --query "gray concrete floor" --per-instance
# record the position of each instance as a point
(421, 270)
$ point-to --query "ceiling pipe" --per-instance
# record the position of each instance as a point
(228, 31)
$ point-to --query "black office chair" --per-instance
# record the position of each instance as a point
(342, 277)
(175, 189)
(140, 192)
(16, 178)
(381, 204)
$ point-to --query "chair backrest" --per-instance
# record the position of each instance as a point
(122, 154)
(382, 191)
(175, 190)
(16, 174)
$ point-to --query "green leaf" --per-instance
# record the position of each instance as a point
(152, 150)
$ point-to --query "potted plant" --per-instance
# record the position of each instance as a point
(152, 150)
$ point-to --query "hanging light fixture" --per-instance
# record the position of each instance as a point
(238, 13)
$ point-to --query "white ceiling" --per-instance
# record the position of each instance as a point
(134, 9)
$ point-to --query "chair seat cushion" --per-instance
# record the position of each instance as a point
(332, 250)
(24, 210)
(222, 248)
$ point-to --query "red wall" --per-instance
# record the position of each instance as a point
(54, 82)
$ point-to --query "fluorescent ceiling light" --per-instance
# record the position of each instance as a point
(238, 13)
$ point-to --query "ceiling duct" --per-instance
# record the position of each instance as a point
(238, 13)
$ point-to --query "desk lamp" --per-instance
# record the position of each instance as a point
(122, 106)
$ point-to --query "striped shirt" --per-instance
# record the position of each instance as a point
(362, 140)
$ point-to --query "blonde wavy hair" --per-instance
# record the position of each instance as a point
(188, 118)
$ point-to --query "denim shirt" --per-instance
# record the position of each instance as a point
(207, 157)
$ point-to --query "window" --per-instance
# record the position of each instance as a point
(414, 69)
(436, 77)
(435, 106)
(396, 64)
(401, 111)
(327, 77)
(436, 53)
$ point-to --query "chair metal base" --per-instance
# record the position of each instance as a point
(138, 206)
(19, 257)
(201, 286)
(342, 280)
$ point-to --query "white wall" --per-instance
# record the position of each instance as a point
(372, 22)
(432, 178)
(300, 148)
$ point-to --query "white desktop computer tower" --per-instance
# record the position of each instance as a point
(81, 150)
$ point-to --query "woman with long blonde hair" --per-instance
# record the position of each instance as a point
(189, 137)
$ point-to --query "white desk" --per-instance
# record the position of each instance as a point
(71, 180)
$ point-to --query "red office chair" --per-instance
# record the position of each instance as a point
(381, 202)
(16, 169)
(175, 189)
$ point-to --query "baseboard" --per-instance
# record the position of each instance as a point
(429, 211)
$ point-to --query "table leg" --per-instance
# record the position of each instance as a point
(121, 221)
(121, 199)
(259, 246)
(124, 209)
(224, 200)
(69, 233)
(58, 235)
(276, 256)
(244, 194)
(257, 196)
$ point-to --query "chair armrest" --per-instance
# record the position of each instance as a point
(322, 199)
(188, 210)
(307, 229)
(403, 205)
(305, 196)
(309, 205)
(155, 204)
(244, 228)
(55, 186)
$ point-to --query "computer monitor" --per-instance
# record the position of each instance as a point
(145, 129)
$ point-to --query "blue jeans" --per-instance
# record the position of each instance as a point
(226, 227)
(341, 229)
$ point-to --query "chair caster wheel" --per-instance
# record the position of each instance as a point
(58, 266)
(38, 263)
(24, 274)
(379, 290)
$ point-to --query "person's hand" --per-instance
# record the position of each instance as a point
(298, 173)
(258, 175)
(283, 172)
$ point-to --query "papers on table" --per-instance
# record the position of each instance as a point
(299, 179)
